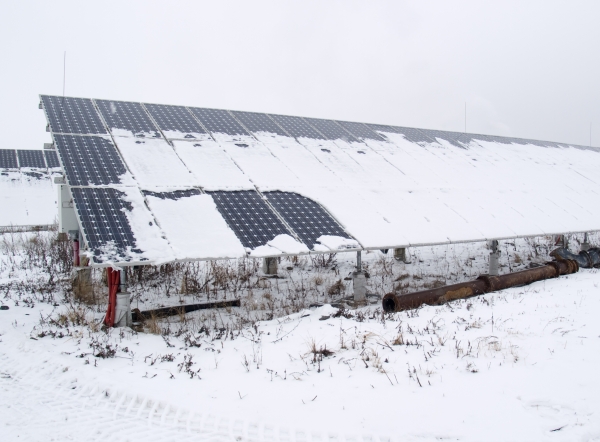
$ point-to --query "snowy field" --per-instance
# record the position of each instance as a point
(520, 364)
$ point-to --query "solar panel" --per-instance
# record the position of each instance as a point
(31, 158)
(174, 195)
(330, 129)
(175, 120)
(308, 219)
(249, 216)
(411, 134)
(69, 115)
(51, 159)
(104, 222)
(218, 121)
(256, 122)
(297, 127)
(89, 161)
(127, 118)
(8, 159)
(453, 138)
(360, 130)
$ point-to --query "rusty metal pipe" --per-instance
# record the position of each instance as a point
(393, 302)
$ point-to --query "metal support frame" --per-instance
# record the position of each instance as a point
(123, 308)
(494, 258)
(269, 266)
(359, 281)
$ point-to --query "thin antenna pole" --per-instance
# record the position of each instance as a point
(64, 72)
(590, 134)
(465, 117)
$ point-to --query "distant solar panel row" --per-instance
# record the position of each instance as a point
(31, 159)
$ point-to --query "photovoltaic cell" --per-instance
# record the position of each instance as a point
(249, 216)
(89, 161)
(127, 116)
(8, 159)
(330, 129)
(103, 219)
(307, 218)
(297, 127)
(31, 158)
(175, 195)
(72, 115)
(411, 134)
(218, 121)
(51, 159)
(256, 122)
(175, 118)
(360, 130)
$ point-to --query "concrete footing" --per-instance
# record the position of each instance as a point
(359, 285)
(123, 311)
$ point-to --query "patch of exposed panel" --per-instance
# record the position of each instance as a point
(31, 158)
(249, 216)
(103, 216)
(127, 119)
(404, 186)
(67, 115)
(8, 159)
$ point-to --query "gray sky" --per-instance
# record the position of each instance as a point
(525, 68)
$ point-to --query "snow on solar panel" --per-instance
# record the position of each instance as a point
(360, 130)
(212, 167)
(193, 225)
(117, 225)
(51, 159)
(26, 199)
(395, 187)
(91, 161)
(409, 133)
(69, 115)
(8, 159)
(253, 221)
(297, 127)
(153, 162)
(125, 118)
(310, 221)
(259, 124)
(176, 122)
(31, 159)
(218, 122)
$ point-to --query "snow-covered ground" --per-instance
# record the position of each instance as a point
(520, 364)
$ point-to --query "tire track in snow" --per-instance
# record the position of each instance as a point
(36, 406)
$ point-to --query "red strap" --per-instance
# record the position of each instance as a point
(113, 280)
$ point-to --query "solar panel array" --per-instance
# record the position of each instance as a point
(265, 175)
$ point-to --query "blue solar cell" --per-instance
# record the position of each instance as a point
(31, 158)
(297, 127)
(89, 161)
(454, 138)
(360, 130)
(175, 118)
(51, 159)
(249, 216)
(68, 115)
(331, 129)
(256, 122)
(102, 212)
(8, 159)
(127, 116)
(218, 121)
(174, 195)
(306, 217)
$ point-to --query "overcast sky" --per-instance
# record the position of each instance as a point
(524, 68)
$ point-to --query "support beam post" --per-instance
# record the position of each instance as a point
(494, 258)
(269, 266)
(123, 308)
(359, 281)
